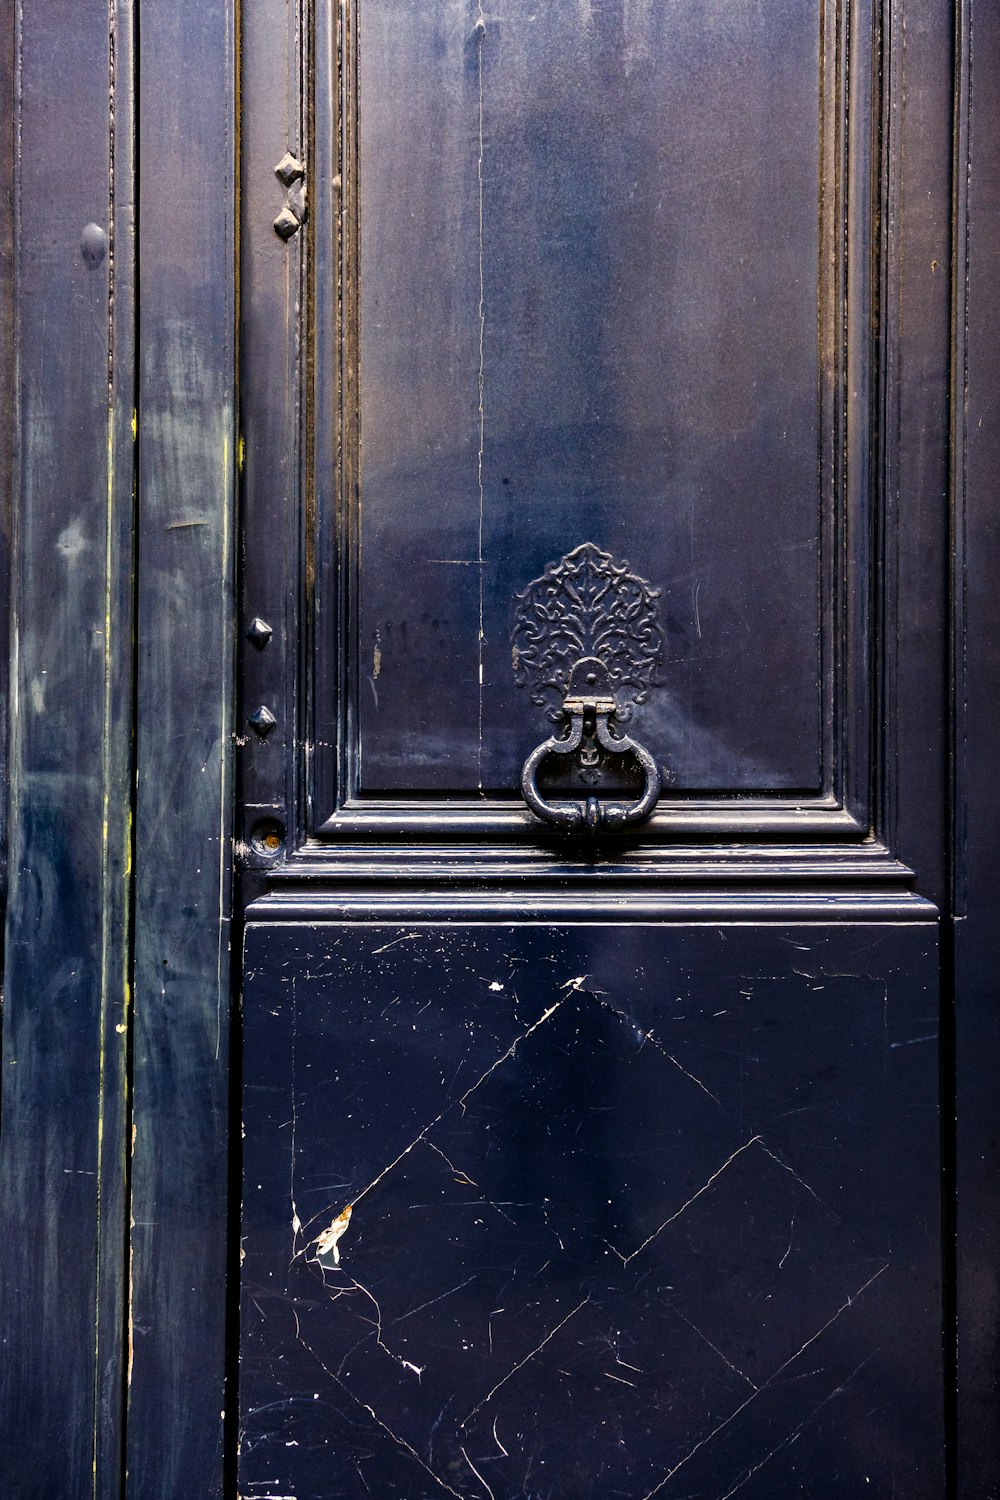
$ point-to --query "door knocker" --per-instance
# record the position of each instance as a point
(587, 642)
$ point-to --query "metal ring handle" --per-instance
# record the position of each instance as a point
(590, 813)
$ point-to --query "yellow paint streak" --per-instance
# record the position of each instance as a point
(226, 667)
(115, 991)
(131, 1322)
(135, 424)
(240, 454)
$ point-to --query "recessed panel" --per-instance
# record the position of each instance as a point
(590, 310)
(592, 1212)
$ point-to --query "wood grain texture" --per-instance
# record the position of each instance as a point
(187, 455)
(62, 1168)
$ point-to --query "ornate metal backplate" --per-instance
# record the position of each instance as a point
(587, 604)
(587, 643)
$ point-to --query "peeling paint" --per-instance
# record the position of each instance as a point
(327, 1242)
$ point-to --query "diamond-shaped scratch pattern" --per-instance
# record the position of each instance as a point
(609, 1237)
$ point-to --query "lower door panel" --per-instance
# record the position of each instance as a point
(636, 1210)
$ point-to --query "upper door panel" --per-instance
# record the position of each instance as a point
(593, 308)
(611, 275)
(596, 285)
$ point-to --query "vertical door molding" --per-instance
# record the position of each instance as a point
(975, 479)
(66, 992)
(187, 462)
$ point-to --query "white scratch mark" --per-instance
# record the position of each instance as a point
(356, 1286)
(405, 937)
(461, 1102)
(509, 1053)
(296, 1221)
(462, 1178)
(522, 1362)
(704, 1336)
(791, 1236)
(402, 1443)
(496, 1439)
(670, 1058)
(794, 1437)
(577, 986)
(801, 1182)
(684, 1206)
(475, 1471)
(450, 1293)
(399, 1441)
(769, 1381)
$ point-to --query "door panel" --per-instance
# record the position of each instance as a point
(636, 1210)
(558, 344)
(602, 280)
(638, 1133)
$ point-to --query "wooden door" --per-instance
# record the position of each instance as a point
(432, 359)
(584, 1156)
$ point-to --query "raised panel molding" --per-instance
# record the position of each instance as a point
(304, 515)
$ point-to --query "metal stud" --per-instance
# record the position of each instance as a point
(286, 224)
(259, 632)
(289, 169)
(262, 721)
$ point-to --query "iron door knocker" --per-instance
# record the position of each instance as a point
(587, 642)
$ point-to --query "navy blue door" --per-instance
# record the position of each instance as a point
(514, 484)
(591, 1146)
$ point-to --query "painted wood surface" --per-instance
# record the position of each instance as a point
(90, 921)
(479, 399)
(186, 475)
(975, 1232)
(63, 1152)
(591, 1210)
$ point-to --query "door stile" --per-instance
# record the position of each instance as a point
(63, 1158)
(975, 1228)
(188, 454)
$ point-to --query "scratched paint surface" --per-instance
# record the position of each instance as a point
(589, 282)
(633, 1211)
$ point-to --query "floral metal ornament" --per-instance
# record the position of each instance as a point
(587, 605)
(587, 642)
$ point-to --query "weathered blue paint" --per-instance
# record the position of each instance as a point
(76, 1351)
(63, 1150)
(184, 666)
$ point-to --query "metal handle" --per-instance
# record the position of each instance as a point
(589, 711)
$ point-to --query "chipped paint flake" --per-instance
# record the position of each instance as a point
(327, 1242)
